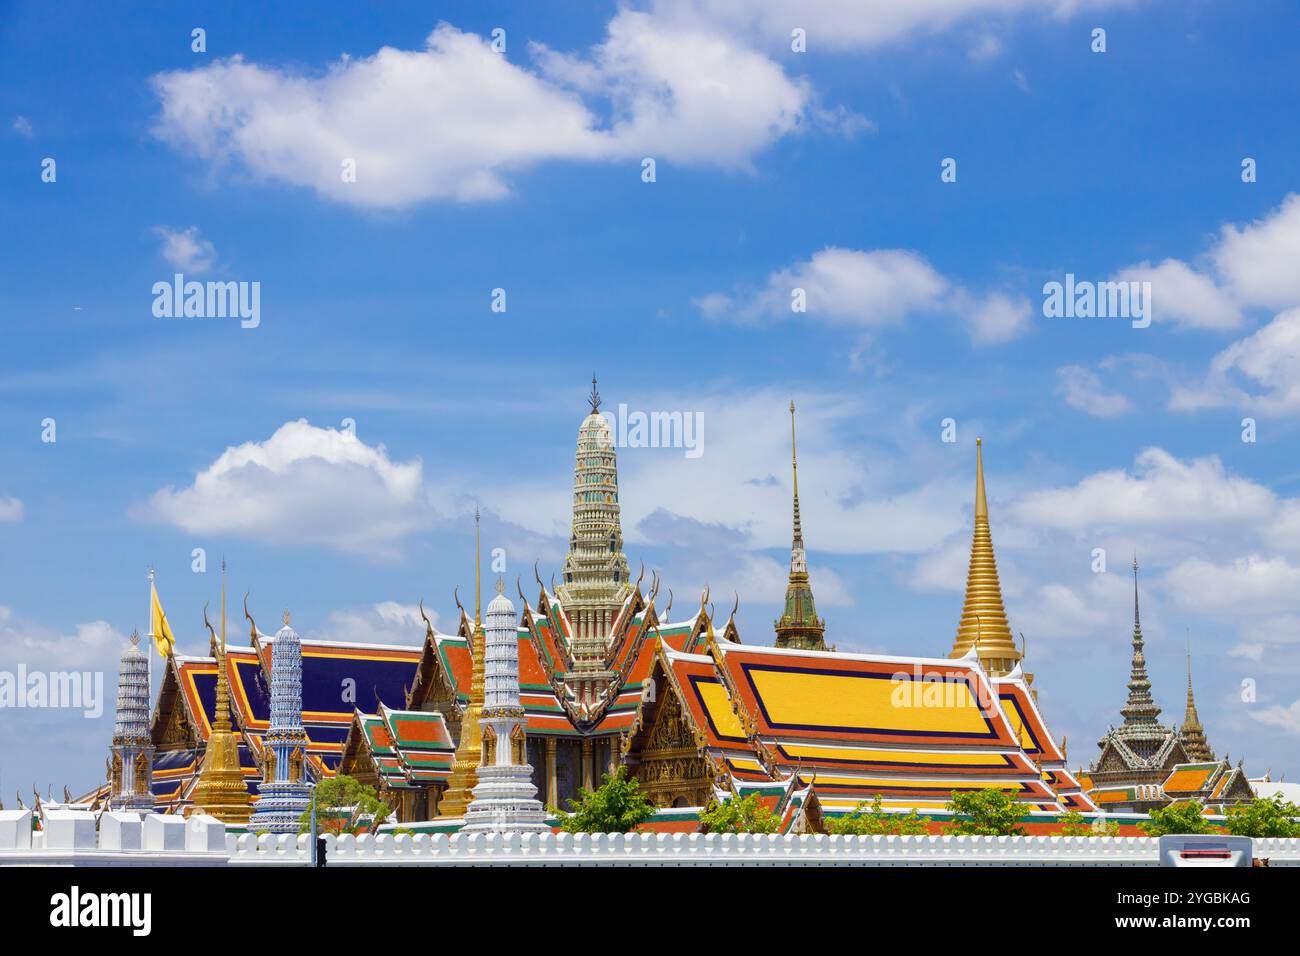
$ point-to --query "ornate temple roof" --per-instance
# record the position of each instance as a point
(408, 748)
(910, 730)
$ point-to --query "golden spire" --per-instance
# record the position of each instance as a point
(1192, 733)
(478, 576)
(984, 623)
(464, 768)
(221, 791)
(799, 627)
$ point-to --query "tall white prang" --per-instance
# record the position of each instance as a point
(505, 800)
(131, 763)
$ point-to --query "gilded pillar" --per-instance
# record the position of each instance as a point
(586, 763)
(552, 788)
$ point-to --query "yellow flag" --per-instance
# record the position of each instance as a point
(162, 631)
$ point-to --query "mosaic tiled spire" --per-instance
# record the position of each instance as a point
(1141, 731)
(984, 623)
(131, 763)
(595, 569)
(285, 792)
(1192, 733)
(799, 626)
(220, 791)
(464, 768)
(505, 799)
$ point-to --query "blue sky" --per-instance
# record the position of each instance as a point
(521, 170)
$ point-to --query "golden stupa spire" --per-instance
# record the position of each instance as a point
(464, 768)
(984, 623)
(221, 791)
(1192, 732)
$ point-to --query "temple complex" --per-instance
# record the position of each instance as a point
(495, 718)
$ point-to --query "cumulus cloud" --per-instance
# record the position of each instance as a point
(185, 249)
(853, 25)
(1259, 261)
(386, 622)
(1251, 584)
(1261, 371)
(1082, 389)
(453, 120)
(1184, 297)
(1161, 491)
(303, 486)
(1288, 718)
(11, 509)
(868, 291)
(93, 645)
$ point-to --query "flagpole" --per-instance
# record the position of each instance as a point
(152, 645)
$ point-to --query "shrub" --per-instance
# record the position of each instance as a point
(876, 821)
(1185, 817)
(344, 805)
(738, 816)
(1265, 817)
(986, 813)
(616, 806)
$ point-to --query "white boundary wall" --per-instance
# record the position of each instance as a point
(81, 838)
(713, 849)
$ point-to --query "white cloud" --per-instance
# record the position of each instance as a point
(94, 645)
(1261, 371)
(1162, 491)
(386, 622)
(1184, 297)
(1259, 261)
(303, 486)
(453, 120)
(848, 25)
(11, 509)
(1288, 718)
(185, 250)
(23, 126)
(870, 290)
(1082, 389)
(1250, 585)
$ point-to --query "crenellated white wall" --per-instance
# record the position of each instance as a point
(696, 849)
(78, 837)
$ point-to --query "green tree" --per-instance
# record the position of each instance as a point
(738, 816)
(1265, 817)
(344, 805)
(1184, 817)
(616, 806)
(1075, 823)
(876, 821)
(985, 813)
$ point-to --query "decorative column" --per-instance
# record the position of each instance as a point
(285, 793)
(505, 799)
(552, 786)
(586, 763)
(131, 764)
